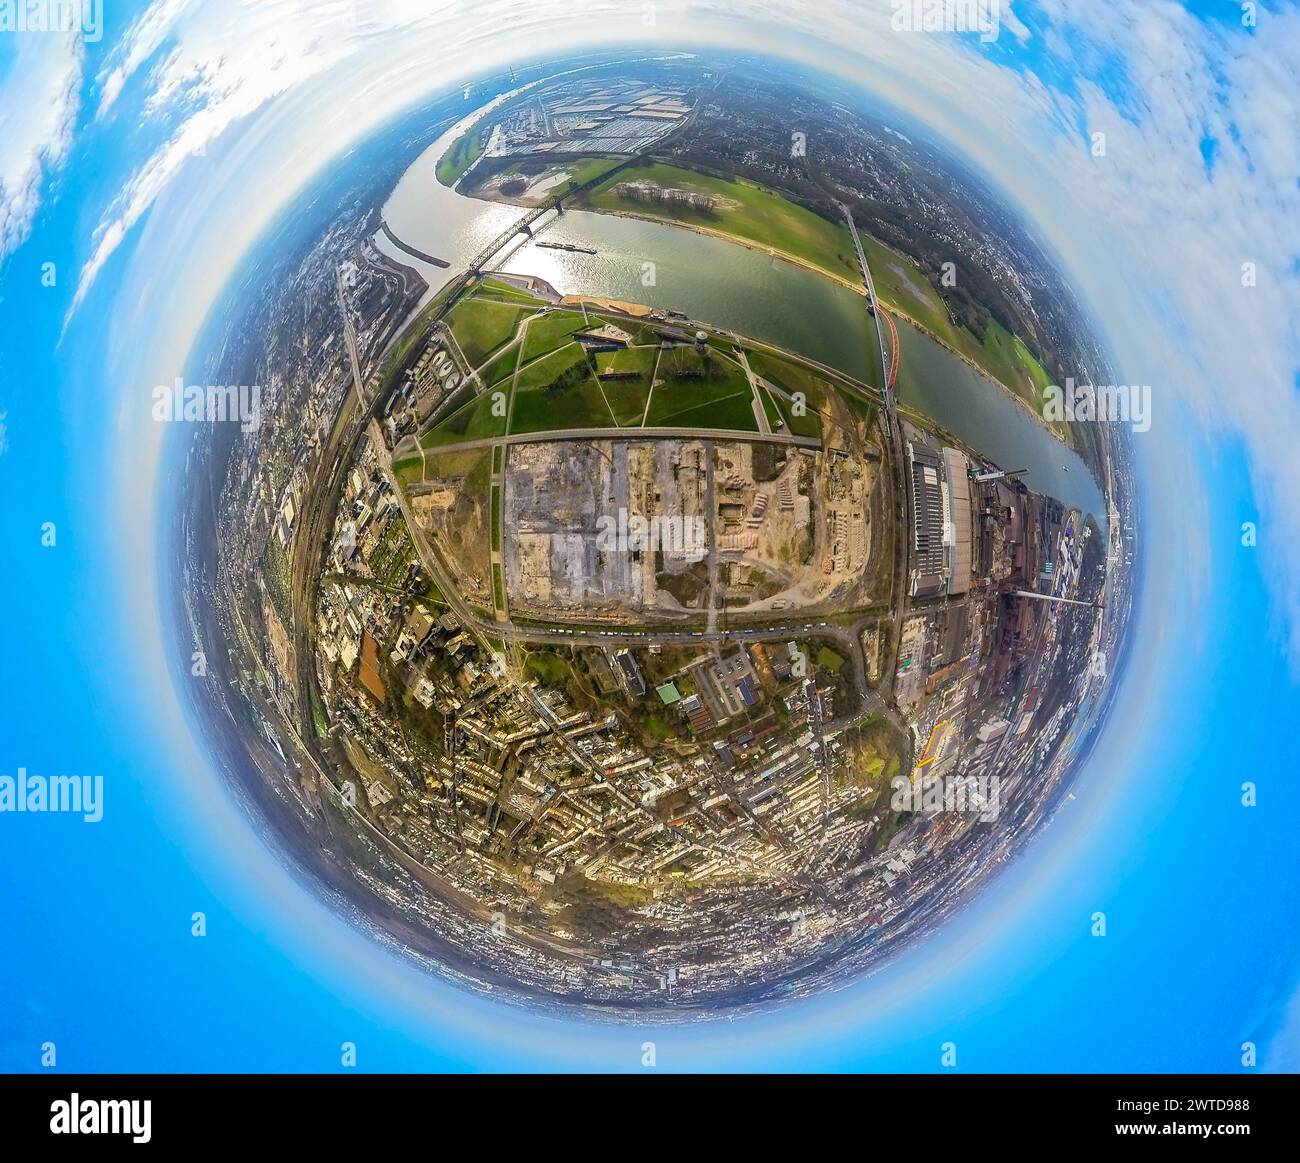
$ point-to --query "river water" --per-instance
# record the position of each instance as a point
(734, 287)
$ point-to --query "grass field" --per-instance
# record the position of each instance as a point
(640, 360)
(743, 209)
(829, 660)
(543, 372)
(550, 331)
(573, 406)
(720, 398)
(502, 368)
(735, 412)
(793, 378)
(576, 173)
(1012, 363)
(900, 283)
(473, 465)
(684, 362)
(590, 168)
(409, 470)
(775, 417)
(627, 397)
(559, 391)
(627, 400)
(550, 668)
(481, 326)
(464, 152)
(472, 421)
(864, 410)
(496, 289)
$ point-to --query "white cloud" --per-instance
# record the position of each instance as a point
(1283, 1054)
(1167, 237)
(1014, 24)
(38, 107)
(217, 68)
(142, 40)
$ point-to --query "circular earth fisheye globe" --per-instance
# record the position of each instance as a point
(645, 576)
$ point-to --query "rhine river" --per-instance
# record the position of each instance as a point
(737, 288)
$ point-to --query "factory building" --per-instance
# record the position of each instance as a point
(941, 520)
(928, 518)
(957, 529)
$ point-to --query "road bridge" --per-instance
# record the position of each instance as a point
(902, 477)
(525, 224)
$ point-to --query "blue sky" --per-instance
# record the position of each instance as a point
(144, 166)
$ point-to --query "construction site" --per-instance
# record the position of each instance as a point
(625, 530)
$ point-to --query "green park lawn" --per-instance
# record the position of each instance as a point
(481, 326)
(462, 154)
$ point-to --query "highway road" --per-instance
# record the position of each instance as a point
(870, 285)
(349, 338)
(562, 434)
(903, 543)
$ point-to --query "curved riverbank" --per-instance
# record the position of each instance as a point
(795, 260)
